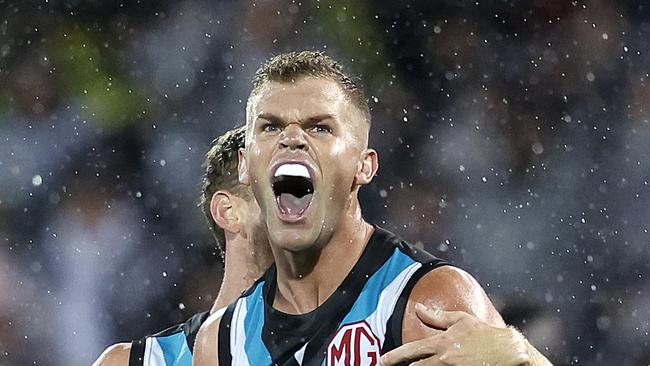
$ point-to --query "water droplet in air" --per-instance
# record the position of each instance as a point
(37, 180)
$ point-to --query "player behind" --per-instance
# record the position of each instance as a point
(342, 291)
(234, 218)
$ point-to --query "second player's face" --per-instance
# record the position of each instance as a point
(304, 150)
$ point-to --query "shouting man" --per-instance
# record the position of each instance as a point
(342, 291)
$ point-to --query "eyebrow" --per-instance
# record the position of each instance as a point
(306, 121)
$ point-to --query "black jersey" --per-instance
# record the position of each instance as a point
(170, 347)
(360, 321)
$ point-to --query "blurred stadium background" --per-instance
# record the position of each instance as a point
(513, 137)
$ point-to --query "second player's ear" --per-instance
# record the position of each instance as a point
(223, 211)
(367, 167)
(242, 169)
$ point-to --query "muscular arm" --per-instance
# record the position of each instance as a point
(450, 320)
(206, 350)
(115, 355)
(447, 288)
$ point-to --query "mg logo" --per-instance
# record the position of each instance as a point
(354, 345)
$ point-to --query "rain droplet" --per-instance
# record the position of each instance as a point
(591, 76)
(37, 180)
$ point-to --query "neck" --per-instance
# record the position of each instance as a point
(307, 278)
(244, 264)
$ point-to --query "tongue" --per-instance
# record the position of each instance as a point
(293, 205)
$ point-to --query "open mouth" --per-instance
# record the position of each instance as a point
(293, 189)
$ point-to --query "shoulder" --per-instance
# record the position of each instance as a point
(447, 288)
(206, 345)
(115, 355)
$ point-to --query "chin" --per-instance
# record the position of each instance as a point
(293, 239)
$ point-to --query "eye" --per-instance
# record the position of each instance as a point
(322, 128)
(270, 127)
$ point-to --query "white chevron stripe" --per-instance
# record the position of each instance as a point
(388, 299)
(238, 334)
(153, 354)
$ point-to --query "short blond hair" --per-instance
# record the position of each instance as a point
(291, 66)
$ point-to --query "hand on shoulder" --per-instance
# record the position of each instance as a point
(447, 288)
(462, 339)
(458, 325)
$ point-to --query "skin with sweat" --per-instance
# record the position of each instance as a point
(310, 122)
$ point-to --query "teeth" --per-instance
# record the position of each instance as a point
(296, 170)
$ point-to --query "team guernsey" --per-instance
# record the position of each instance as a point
(359, 322)
(170, 347)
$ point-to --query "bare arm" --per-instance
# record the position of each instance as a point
(206, 345)
(459, 326)
(535, 357)
(115, 355)
(447, 288)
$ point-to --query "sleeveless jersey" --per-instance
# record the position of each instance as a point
(170, 347)
(358, 323)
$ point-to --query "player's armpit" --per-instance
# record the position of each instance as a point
(206, 345)
(115, 355)
(447, 288)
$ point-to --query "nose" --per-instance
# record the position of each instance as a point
(293, 139)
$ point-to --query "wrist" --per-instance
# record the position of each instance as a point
(522, 354)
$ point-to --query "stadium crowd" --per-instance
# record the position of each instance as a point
(513, 141)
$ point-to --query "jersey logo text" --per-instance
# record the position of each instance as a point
(354, 345)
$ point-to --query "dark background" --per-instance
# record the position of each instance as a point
(513, 140)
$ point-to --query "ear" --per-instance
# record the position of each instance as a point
(223, 211)
(367, 167)
(242, 168)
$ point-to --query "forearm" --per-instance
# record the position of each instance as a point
(536, 357)
(533, 356)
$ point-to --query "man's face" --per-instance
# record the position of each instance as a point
(304, 149)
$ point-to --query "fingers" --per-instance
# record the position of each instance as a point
(410, 351)
(440, 319)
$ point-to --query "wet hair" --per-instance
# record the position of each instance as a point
(221, 173)
(289, 67)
